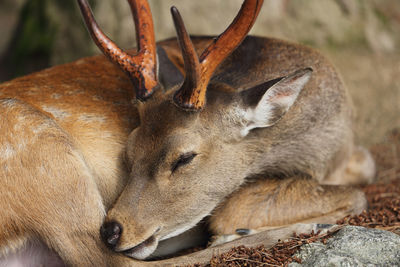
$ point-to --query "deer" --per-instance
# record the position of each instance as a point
(102, 162)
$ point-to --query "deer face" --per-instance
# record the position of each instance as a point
(175, 158)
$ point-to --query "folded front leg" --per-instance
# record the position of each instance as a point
(274, 203)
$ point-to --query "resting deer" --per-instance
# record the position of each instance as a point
(255, 133)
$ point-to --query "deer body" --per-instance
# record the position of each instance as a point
(312, 140)
(74, 147)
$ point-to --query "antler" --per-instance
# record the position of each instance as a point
(142, 67)
(191, 96)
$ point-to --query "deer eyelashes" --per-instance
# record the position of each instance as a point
(183, 159)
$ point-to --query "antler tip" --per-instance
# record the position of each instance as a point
(177, 18)
(174, 9)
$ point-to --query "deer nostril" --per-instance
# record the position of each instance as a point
(110, 233)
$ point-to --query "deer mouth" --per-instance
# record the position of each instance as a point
(142, 250)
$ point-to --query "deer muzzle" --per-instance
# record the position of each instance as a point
(112, 234)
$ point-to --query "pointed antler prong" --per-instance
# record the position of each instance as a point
(185, 96)
(142, 67)
(192, 94)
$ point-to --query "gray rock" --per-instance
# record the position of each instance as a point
(353, 246)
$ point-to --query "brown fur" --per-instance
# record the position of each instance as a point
(313, 141)
(63, 140)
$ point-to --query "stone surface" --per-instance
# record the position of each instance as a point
(353, 246)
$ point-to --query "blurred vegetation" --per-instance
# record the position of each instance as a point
(31, 44)
(33, 40)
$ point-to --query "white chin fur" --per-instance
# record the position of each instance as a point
(144, 252)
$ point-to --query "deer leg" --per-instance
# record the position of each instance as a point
(267, 238)
(275, 203)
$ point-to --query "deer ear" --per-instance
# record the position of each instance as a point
(266, 103)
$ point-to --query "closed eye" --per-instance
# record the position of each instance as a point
(183, 159)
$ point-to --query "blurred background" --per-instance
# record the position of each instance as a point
(361, 37)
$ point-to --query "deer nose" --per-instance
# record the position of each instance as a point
(110, 233)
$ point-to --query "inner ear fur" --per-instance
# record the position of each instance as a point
(252, 96)
(266, 103)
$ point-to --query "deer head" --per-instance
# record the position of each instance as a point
(197, 142)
